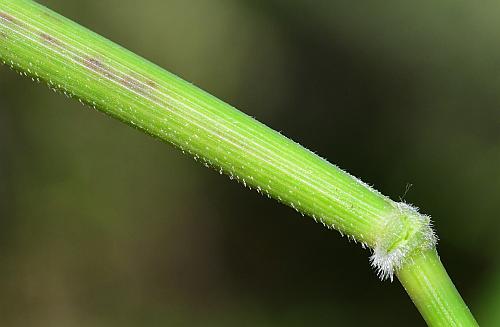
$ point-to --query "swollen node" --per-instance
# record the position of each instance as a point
(405, 232)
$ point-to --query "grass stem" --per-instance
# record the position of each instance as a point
(81, 64)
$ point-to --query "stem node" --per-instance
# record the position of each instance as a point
(404, 232)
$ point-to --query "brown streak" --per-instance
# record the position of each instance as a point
(130, 81)
(152, 84)
(98, 67)
(51, 39)
(9, 18)
(133, 83)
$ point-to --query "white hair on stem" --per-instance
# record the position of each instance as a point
(405, 232)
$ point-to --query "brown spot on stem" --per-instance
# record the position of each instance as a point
(130, 82)
(98, 67)
(133, 82)
(152, 84)
(9, 18)
(49, 39)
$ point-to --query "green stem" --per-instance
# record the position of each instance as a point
(48, 47)
(433, 292)
(84, 65)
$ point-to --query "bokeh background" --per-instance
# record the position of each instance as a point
(101, 225)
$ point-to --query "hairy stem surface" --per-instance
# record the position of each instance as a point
(48, 47)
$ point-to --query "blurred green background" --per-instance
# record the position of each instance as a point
(101, 225)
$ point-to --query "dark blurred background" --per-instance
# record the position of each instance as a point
(104, 226)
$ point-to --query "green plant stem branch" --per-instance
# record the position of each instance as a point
(48, 47)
